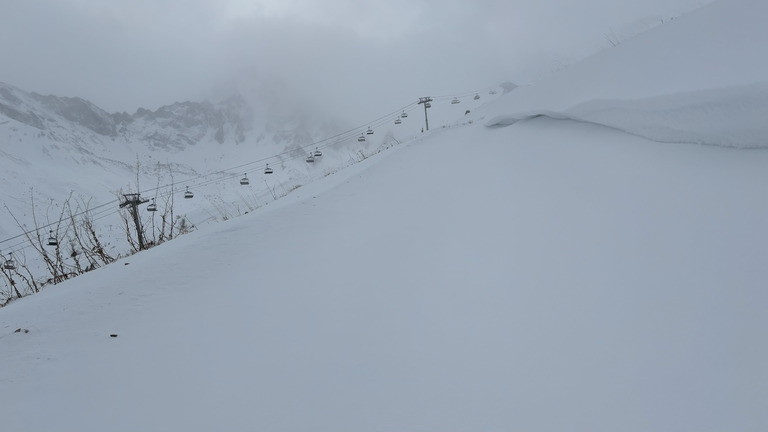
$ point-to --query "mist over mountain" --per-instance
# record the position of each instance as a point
(172, 127)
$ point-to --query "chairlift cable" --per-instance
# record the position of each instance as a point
(107, 209)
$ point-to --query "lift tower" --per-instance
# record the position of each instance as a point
(426, 101)
(133, 201)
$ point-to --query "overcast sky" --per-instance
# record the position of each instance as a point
(344, 55)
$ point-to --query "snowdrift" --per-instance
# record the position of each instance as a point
(732, 117)
(699, 79)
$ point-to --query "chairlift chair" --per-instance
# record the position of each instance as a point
(9, 264)
(267, 170)
(477, 96)
(318, 153)
(52, 241)
(404, 114)
(310, 158)
(361, 138)
(398, 121)
(188, 194)
(369, 131)
(244, 181)
(152, 207)
(455, 101)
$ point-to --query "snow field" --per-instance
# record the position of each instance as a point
(548, 275)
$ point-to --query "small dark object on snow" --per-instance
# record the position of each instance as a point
(19, 330)
(113, 335)
(126, 263)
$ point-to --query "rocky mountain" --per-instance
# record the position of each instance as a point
(172, 127)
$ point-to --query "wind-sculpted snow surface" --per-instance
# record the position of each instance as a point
(732, 117)
(702, 78)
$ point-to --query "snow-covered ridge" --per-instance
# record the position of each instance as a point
(702, 78)
(731, 117)
(173, 127)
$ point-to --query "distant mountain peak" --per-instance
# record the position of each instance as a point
(174, 126)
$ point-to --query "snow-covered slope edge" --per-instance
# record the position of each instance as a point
(698, 79)
(728, 117)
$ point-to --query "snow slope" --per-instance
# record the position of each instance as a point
(544, 276)
(701, 78)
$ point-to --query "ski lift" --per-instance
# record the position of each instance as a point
(369, 131)
(477, 96)
(404, 114)
(361, 138)
(428, 105)
(188, 194)
(152, 207)
(9, 264)
(318, 153)
(52, 239)
(267, 170)
(244, 181)
(310, 158)
(455, 101)
(398, 121)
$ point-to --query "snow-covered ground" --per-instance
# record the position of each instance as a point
(547, 275)
(531, 270)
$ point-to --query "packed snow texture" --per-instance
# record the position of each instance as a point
(702, 78)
